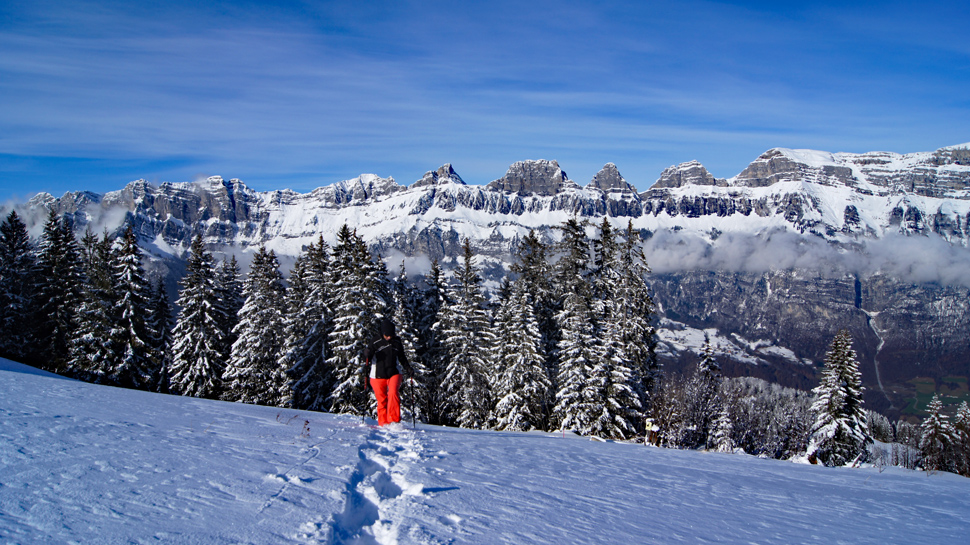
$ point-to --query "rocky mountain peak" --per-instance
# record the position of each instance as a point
(444, 174)
(782, 164)
(540, 178)
(954, 155)
(689, 173)
(609, 179)
(766, 169)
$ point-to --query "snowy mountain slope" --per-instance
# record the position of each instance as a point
(94, 464)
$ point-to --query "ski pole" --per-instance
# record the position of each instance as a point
(363, 413)
(414, 422)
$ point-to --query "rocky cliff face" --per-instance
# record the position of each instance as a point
(689, 173)
(774, 311)
(527, 178)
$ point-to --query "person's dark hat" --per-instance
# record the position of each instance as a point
(387, 328)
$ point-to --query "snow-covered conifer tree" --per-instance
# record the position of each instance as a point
(635, 311)
(703, 401)
(160, 327)
(92, 355)
(612, 385)
(358, 300)
(578, 353)
(61, 285)
(405, 308)
(17, 287)
(197, 363)
(535, 275)
(430, 350)
(605, 249)
(578, 347)
(722, 441)
(961, 428)
(521, 382)
(308, 323)
(937, 437)
(572, 268)
(667, 411)
(463, 327)
(137, 364)
(254, 373)
(839, 435)
(229, 299)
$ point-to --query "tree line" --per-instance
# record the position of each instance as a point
(566, 343)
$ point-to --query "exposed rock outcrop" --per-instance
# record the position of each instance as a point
(539, 178)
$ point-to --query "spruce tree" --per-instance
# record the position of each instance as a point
(159, 324)
(578, 353)
(613, 380)
(405, 308)
(60, 292)
(937, 437)
(579, 349)
(605, 250)
(197, 363)
(465, 335)
(839, 435)
(430, 350)
(535, 276)
(635, 311)
(254, 374)
(92, 352)
(131, 337)
(308, 323)
(610, 383)
(359, 300)
(18, 271)
(703, 403)
(571, 271)
(230, 298)
(961, 450)
(521, 382)
(723, 428)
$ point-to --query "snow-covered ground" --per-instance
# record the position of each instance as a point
(81, 463)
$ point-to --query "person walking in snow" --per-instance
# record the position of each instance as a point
(387, 361)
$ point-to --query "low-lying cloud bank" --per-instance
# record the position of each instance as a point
(915, 259)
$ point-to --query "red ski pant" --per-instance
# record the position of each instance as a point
(388, 402)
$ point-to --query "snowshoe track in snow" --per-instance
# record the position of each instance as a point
(378, 492)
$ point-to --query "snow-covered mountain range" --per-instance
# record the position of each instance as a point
(839, 197)
(769, 264)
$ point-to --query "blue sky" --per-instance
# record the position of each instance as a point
(297, 95)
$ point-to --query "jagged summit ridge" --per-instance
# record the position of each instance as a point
(444, 174)
(540, 178)
(610, 179)
(833, 195)
(689, 173)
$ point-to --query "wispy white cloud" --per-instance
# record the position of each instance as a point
(909, 258)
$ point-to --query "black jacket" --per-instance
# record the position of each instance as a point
(384, 357)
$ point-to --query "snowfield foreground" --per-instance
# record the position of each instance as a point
(81, 463)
